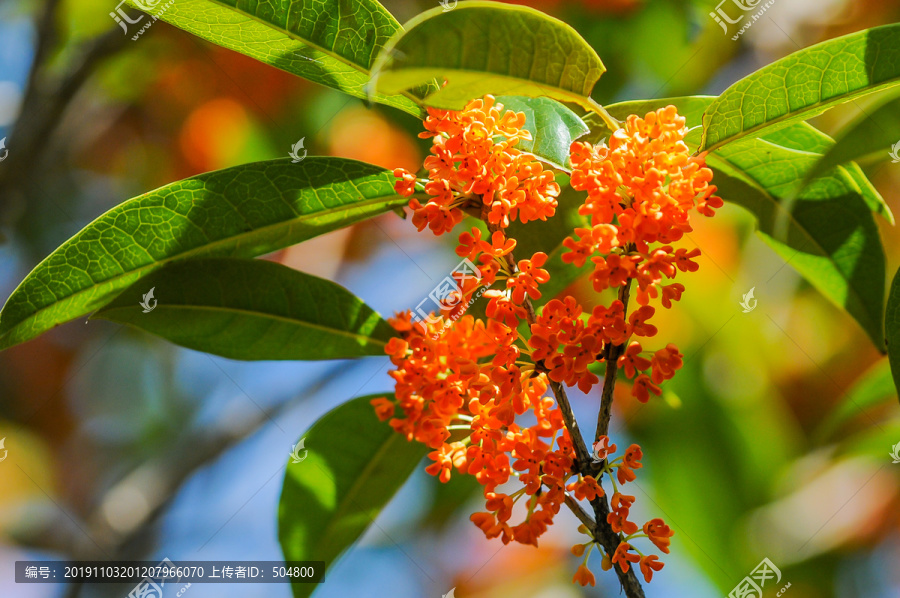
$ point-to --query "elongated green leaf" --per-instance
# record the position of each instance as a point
(330, 42)
(553, 128)
(488, 47)
(892, 329)
(874, 388)
(251, 309)
(804, 84)
(826, 233)
(353, 467)
(243, 211)
(875, 134)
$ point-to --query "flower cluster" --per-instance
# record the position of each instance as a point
(466, 386)
(474, 163)
(641, 190)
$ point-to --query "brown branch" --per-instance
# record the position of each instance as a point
(613, 352)
(599, 527)
(610, 540)
(43, 107)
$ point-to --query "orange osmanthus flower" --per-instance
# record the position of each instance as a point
(475, 390)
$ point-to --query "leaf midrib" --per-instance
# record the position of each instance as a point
(256, 314)
(359, 483)
(224, 241)
(579, 99)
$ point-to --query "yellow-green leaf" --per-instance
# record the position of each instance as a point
(330, 42)
(804, 84)
(488, 47)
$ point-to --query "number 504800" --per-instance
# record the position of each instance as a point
(293, 571)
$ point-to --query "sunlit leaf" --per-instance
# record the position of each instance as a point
(487, 47)
(251, 309)
(553, 128)
(804, 84)
(875, 134)
(352, 466)
(331, 42)
(243, 211)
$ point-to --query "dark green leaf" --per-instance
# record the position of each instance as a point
(251, 309)
(353, 467)
(892, 329)
(875, 134)
(243, 211)
(553, 128)
(827, 233)
(804, 84)
(488, 47)
(331, 42)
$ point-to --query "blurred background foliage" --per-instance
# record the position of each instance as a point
(772, 442)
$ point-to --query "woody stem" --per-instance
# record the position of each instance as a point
(599, 526)
(613, 352)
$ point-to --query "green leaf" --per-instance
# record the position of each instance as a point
(877, 133)
(243, 211)
(874, 388)
(330, 42)
(804, 84)
(488, 47)
(251, 309)
(353, 467)
(892, 329)
(804, 137)
(826, 233)
(553, 128)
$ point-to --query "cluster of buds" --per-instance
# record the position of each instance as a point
(464, 385)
